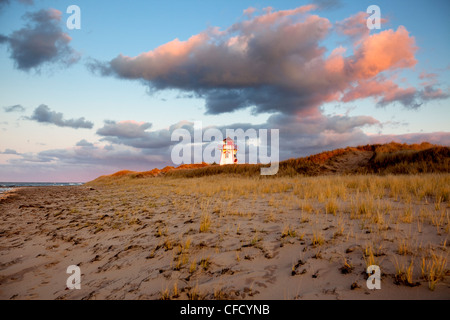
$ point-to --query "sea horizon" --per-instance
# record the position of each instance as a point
(7, 186)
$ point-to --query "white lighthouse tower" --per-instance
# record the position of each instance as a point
(229, 152)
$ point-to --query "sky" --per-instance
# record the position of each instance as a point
(79, 103)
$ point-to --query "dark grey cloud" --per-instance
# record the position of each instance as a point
(43, 114)
(430, 92)
(109, 147)
(303, 136)
(134, 134)
(42, 41)
(124, 129)
(84, 143)
(15, 108)
(10, 151)
(413, 99)
(407, 98)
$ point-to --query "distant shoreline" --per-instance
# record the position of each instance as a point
(7, 188)
(4, 185)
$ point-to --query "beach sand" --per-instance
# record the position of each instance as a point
(235, 239)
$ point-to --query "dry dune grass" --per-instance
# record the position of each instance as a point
(237, 227)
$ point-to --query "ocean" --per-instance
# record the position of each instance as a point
(7, 186)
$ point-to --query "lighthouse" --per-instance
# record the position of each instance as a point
(229, 152)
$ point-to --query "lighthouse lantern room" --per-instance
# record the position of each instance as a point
(229, 152)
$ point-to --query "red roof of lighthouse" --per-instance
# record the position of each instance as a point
(228, 141)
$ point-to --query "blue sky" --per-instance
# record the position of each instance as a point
(411, 103)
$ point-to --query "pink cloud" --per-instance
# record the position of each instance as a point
(336, 62)
(355, 26)
(383, 90)
(249, 11)
(370, 88)
(275, 62)
(387, 50)
(425, 75)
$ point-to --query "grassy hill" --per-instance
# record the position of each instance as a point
(390, 158)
